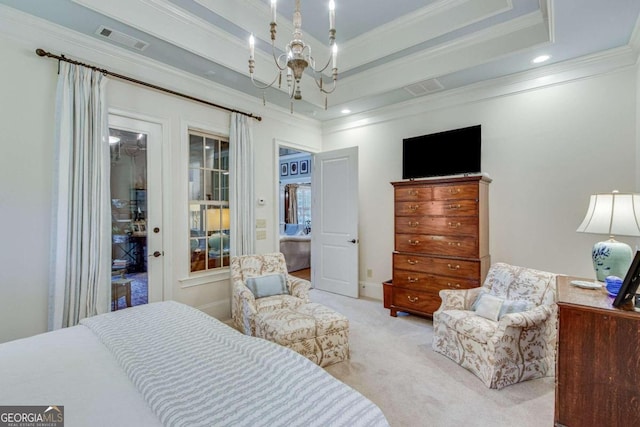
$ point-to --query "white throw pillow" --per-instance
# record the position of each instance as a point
(488, 306)
(267, 285)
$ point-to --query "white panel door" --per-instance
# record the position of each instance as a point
(136, 180)
(334, 244)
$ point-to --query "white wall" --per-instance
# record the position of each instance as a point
(547, 150)
(27, 90)
(26, 171)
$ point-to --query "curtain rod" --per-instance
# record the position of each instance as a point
(41, 52)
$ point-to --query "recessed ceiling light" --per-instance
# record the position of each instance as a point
(345, 111)
(541, 58)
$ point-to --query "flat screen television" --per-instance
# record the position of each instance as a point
(452, 152)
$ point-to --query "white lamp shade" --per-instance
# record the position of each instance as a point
(218, 219)
(615, 214)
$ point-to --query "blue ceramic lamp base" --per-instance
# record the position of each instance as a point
(611, 258)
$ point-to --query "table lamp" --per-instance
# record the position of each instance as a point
(218, 219)
(614, 214)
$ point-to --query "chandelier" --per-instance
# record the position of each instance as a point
(297, 56)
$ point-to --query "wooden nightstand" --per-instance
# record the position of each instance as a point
(598, 359)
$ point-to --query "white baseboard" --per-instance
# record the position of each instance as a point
(371, 290)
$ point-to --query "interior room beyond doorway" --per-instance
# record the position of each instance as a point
(295, 222)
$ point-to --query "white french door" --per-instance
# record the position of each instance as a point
(334, 209)
(136, 211)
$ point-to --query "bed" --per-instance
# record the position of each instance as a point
(297, 251)
(169, 364)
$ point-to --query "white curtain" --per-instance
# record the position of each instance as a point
(241, 199)
(81, 254)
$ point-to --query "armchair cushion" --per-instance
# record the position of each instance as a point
(276, 302)
(267, 285)
(469, 324)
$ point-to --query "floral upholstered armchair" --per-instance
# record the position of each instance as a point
(505, 331)
(245, 305)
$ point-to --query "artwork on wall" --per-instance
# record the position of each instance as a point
(290, 168)
(304, 166)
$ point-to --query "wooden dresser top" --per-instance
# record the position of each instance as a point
(443, 180)
(593, 298)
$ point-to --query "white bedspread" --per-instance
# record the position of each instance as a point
(167, 363)
(195, 371)
(72, 368)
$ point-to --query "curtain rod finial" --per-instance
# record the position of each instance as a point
(41, 52)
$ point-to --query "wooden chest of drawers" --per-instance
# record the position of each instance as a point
(441, 241)
(597, 363)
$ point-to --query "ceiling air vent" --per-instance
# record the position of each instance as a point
(121, 38)
(424, 87)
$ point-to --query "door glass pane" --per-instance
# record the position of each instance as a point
(129, 275)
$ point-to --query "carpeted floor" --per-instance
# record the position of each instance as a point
(392, 363)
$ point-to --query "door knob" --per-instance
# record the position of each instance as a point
(353, 241)
(156, 254)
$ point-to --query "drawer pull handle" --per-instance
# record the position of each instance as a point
(452, 286)
(413, 224)
(453, 267)
(413, 192)
(454, 225)
(456, 206)
(413, 208)
(412, 261)
(455, 244)
(414, 242)
(454, 191)
(412, 279)
(413, 300)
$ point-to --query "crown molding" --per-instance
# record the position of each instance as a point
(474, 49)
(434, 20)
(165, 21)
(33, 32)
(565, 72)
